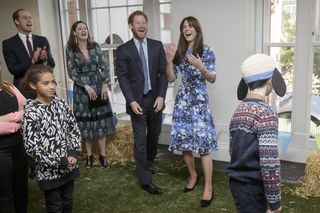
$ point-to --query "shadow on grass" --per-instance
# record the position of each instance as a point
(116, 190)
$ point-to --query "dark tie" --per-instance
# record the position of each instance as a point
(29, 46)
(145, 68)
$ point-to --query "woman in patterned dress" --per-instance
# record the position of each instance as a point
(87, 68)
(193, 129)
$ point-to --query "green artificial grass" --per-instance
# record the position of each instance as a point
(116, 190)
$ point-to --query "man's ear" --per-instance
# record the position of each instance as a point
(130, 25)
(16, 22)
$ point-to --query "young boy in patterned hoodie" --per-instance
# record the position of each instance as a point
(51, 138)
(255, 167)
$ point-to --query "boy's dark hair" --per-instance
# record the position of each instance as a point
(257, 84)
(33, 75)
(136, 13)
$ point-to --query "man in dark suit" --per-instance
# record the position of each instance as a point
(141, 70)
(25, 49)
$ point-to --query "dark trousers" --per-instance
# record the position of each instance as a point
(146, 130)
(249, 198)
(59, 200)
(13, 179)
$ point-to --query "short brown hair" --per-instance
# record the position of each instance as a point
(15, 15)
(257, 84)
(136, 13)
(33, 75)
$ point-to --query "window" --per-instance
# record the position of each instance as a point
(69, 11)
(165, 20)
(315, 98)
(279, 42)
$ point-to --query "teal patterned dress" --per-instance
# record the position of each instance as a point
(96, 122)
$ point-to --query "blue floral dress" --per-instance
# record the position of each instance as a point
(193, 128)
(96, 122)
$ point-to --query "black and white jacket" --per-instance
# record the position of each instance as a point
(51, 134)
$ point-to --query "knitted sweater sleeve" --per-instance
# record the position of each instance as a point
(267, 132)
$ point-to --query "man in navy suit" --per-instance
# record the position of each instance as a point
(25, 49)
(141, 71)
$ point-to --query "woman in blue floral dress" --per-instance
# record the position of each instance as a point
(193, 129)
(87, 68)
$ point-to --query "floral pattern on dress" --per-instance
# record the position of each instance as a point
(193, 126)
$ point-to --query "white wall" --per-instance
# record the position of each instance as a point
(229, 27)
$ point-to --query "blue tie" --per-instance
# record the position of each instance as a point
(145, 69)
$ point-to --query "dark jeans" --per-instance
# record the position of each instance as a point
(249, 198)
(13, 179)
(59, 200)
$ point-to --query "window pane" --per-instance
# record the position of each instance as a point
(118, 2)
(119, 26)
(284, 57)
(165, 22)
(100, 24)
(315, 97)
(317, 21)
(282, 21)
(161, 1)
(133, 2)
(99, 3)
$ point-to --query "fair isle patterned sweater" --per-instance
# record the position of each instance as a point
(51, 134)
(254, 148)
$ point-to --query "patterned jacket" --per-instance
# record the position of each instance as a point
(254, 148)
(51, 134)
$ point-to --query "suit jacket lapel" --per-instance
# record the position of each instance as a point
(20, 46)
(135, 54)
(149, 55)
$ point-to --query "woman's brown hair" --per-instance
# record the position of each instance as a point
(183, 45)
(72, 41)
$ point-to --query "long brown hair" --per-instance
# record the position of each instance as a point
(72, 41)
(4, 85)
(183, 44)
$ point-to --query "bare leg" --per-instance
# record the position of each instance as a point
(189, 160)
(206, 162)
(102, 145)
(88, 144)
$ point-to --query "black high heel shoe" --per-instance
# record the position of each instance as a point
(89, 162)
(205, 203)
(104, 162)
(186, 189)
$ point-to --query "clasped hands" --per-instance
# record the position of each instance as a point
(93, 95)
(40, 54)
(158, 105)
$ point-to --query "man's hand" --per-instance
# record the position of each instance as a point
(158, 104)
(72, 160)
(36, 55)
(44, 54)
(136, 108)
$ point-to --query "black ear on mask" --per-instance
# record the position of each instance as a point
(278, 83)
(242, 90)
